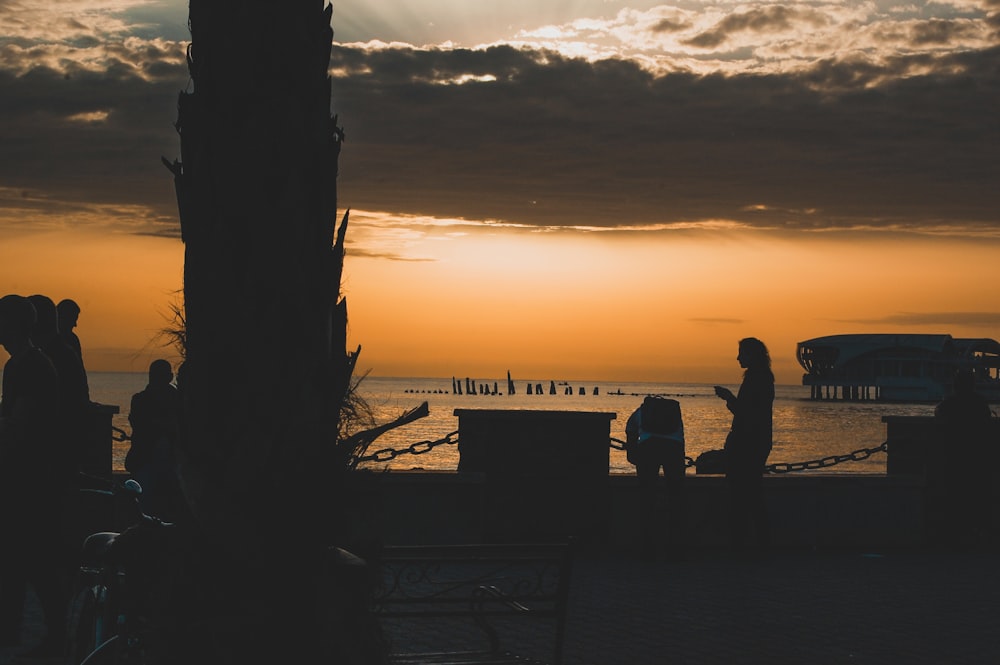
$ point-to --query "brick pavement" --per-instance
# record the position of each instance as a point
(855, 608)
(911, 607)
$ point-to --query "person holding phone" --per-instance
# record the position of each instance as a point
(748, 445)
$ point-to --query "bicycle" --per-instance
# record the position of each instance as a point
(107, 610)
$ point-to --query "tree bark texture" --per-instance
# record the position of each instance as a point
(265, 369)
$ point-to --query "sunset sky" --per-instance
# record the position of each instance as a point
(589, 189)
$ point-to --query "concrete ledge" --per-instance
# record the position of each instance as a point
(810, 510)
(815, 511)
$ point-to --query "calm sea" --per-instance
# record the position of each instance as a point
(803, 429)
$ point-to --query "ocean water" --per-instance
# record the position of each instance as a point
(803, 429)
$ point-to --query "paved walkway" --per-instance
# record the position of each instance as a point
(908, 607)
(792, 608)
(853, 608)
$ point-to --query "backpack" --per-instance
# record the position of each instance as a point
(660, 415)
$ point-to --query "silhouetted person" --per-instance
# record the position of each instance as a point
(960, 503)
(654, 435)
(155, 419)
(964, 406)
(69, 314)
(30, 507)
(749, 444)
(74, 391)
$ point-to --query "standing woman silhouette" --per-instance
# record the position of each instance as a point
(748, 445)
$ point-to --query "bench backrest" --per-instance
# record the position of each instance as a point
(484, 583)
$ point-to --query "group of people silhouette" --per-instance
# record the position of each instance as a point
(45, 401)
(44, 407)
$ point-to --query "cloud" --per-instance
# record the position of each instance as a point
(762, 20)
(847, 144)
(989, 320)
(717, 321)
(822, 117)
(359, 252)
(24, 211)
(89, 125)
(72, 20)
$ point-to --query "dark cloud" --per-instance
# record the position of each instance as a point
(776, 18)
(537, 138)
(670, 25)
(554, 140)
(355, 251)
(717, 321)
(92, 137)
(171, 233)
(941, 31)
(965, 319)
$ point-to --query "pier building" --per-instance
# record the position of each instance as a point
(899, 368)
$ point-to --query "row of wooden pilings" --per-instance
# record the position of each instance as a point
(849, 393)
(472, 388)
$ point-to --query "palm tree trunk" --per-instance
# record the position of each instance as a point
(265, 369)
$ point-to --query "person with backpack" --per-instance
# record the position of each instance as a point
(654, 436)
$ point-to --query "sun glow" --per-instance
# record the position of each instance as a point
(651, 305)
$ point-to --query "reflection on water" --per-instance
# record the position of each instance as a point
(803, 429)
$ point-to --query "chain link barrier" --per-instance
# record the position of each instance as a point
(418, 448)
(422, 447)
(824, 462)
(618, 444)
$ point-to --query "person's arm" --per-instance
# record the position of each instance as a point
(728, 396)
(632, 428)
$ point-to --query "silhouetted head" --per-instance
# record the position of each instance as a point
(17, 319)
(753, 354)
(69, 312)
(47, 323)
(964, 382)
(160, 372)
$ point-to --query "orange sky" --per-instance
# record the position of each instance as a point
(586, 190)
(468, 300)
(663, 306)
(124, 285)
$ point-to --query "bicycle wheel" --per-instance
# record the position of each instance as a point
(89, 623)
(108, 652)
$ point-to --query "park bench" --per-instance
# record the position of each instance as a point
(468, 604)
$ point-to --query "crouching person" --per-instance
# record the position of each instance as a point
(654, 437)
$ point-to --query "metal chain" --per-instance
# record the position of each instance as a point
(618, 444)
(421, 447)
(787, 467)
(418, 448)
(831, 460)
